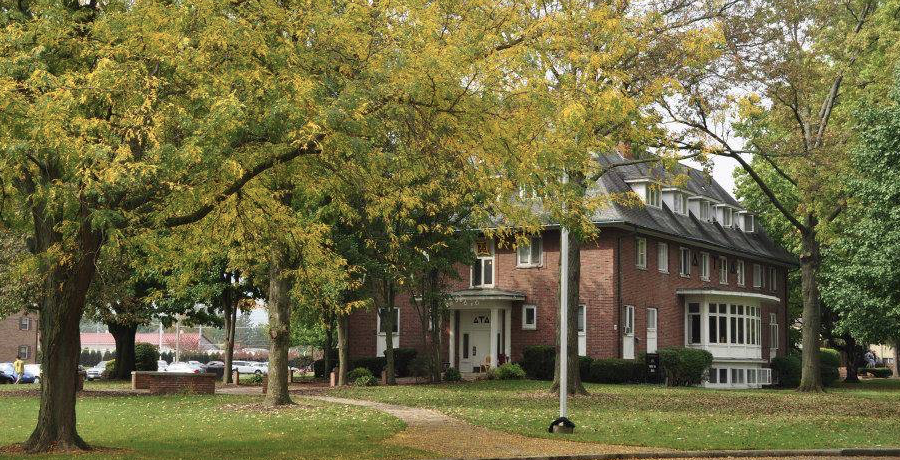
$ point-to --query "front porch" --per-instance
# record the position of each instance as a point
(481, 328)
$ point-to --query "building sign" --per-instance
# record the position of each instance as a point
(482, 248)
(653, 369)
(481, 320)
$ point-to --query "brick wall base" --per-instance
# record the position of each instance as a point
(160, 383)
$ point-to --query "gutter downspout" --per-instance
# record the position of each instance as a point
(618, 257)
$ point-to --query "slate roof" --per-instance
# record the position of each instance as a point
(664, 220)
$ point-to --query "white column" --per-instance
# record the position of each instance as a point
(451, 347)
(495, 329)
(508, 350)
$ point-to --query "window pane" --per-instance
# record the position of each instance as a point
(694, 307)
(523, 254)
(536, 251)
(529, 316)
(713, 375)
(695, 329)
(488, 271)
(581, 313)
(476, 273)
(713, 330)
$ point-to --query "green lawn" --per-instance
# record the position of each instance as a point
(214, 428)
(864, 415)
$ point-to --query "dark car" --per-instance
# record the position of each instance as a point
(9, 375)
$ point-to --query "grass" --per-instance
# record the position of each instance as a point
(213, 428)
(862, 415)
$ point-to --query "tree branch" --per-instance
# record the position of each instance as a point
(310, 148)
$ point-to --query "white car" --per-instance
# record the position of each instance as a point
(35, 370)
(96, 372)
(187, 368)
(249, 367)
(161, 365)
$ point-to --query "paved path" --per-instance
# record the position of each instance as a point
(446, 436)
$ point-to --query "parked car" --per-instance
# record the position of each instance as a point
(243, 367)
(9, 373)
(96, 372)
(35, 370)
(161, 365)
(215, 365)
(187, 367)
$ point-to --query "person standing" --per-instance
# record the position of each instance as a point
(19, 369)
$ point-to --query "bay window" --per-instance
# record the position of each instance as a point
(694, 323)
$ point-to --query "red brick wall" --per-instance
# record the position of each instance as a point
(171, 383)
(11, 337)
(642, 288)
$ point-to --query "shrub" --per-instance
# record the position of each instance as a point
(584, 367)
(452, 375)
(355, 374)
(252, 379)
(508, 371)
(684, 366)
(374, 364)
(110, 369)
(402, 358)
(539, 361)
(146, 357)
(366, 381)
(830, 357)
(786, 370)
(615, 370)
(419, 367)
(879, 372)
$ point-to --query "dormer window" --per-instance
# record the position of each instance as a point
(727, 217)
(680, 206)
(652, 196)
(749, 223)
(704, 210)
(483, 268)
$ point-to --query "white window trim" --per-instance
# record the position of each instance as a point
(752, 220)
(526, 326)
(629, 325)
(773, 277)
(684, 269)
(530, 247)
(652, 195)
(680, 198)
(704, 266)
(493, 258)
(757, 280)
(662, 257)
(26, 321)
(723, 270)
(739, 272)
(773, 334)
(27, 354)
(640, 252)
(727, 217)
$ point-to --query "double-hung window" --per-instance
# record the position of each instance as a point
(718, 323)
(680, 205)
(704, 210)
(773, 276)
(773, 333)
(662, 257)
(739, 271)
(530, 254)
(529, 317)
(757, 275)
(704, 266)
(382, 314)
(24, 323)
(24, 352)
(748, 223)
(685, 269)
(640, 245)
(723, 270)
(483, 268)
(727, 217)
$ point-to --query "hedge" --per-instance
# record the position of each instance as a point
(787, 370)
(507, 371)
(538, 361)
(375, 364)
(684, 366)
(614, 370)
(879, 372)
(146, 357)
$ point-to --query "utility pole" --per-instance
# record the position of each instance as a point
(563, 424)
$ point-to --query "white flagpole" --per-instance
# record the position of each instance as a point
(564, 322)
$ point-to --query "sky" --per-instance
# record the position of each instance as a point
(722, 169)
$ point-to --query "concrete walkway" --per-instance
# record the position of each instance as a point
(445, 436)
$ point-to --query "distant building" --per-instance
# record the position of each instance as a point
(190, 341)
(887, 355)
(19, 337)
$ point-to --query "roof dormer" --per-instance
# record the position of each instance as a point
(745, 221)
(727, 215)
(676, 200)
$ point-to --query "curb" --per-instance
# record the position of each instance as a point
(853, 452)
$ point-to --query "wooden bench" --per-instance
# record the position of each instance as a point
(160, 383)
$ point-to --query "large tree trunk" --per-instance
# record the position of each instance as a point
(387, 323)
(230, 313)
(124, 335)
(811, 377)
(897, 358)
(852, 353)
(574, 376)
(343, 331)
(279, 330)
(435, 314)
(62, 305)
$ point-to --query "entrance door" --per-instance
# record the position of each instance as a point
(628, 336)
(652, 318)
(474, 339)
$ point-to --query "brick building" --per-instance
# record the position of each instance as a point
(690, 268)
(19, 336)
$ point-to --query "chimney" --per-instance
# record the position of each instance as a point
(624, 149)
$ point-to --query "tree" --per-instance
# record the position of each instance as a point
(864, 287)
(779, 85)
